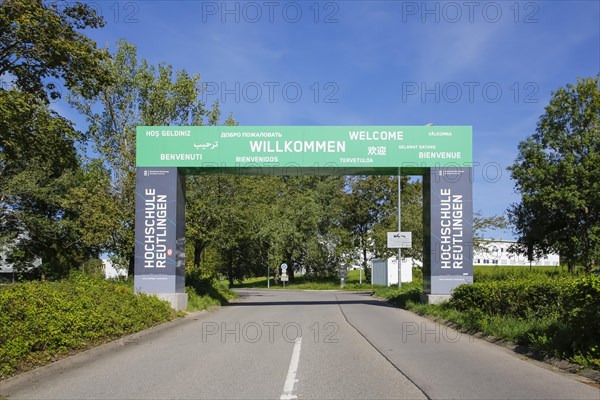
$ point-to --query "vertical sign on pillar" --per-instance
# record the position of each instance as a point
(160, 231)
(180, 236)
(448, 229)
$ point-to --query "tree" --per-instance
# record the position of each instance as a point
(205, 201)
(533, 241)
(91, 203)
(139, 94)
(40, 45)
(240, 226)
(363, 208)
(482, 224)
(303, 225)
(45, 196)
(41, 49)
(412, 216)
(370, 210)
(556, 173)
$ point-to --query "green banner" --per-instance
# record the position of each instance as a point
(304, 146)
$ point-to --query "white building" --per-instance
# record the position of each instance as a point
(111, 272)
(497, 253)
(385, 271)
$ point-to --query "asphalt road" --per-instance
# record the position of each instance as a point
(305, 345)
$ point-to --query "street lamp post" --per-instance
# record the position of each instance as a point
(400, 223)
(399, 230)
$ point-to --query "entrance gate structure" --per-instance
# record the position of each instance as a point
(442, 155)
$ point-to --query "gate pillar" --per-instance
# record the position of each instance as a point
(448, 231)
(160, 234)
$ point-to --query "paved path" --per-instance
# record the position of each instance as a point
(306, 345)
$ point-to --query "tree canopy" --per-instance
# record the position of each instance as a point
(41, 47)
(556, 173)
(138, 94)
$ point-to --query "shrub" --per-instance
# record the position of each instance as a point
(39, 320)
(214, 292)
(582, 312)
(400, 297)
(563, 311)
(517, 298)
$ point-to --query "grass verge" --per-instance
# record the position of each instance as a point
(353, 281)
(205, 294)
(555, 316)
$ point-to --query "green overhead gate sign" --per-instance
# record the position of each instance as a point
(304, 146)
(442, 154)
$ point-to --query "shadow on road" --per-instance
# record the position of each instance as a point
(366, 300)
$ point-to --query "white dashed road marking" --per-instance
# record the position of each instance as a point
(290, 380)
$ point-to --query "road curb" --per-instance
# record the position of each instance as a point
(63, 365)
(562, 365)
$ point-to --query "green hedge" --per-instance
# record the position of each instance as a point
(572, 304)
(517, 298)
(38, 320)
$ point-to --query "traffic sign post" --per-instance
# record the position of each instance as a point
(284, 276)
(399, 240)
(343, 273)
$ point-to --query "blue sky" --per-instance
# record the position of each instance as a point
(489, 64)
